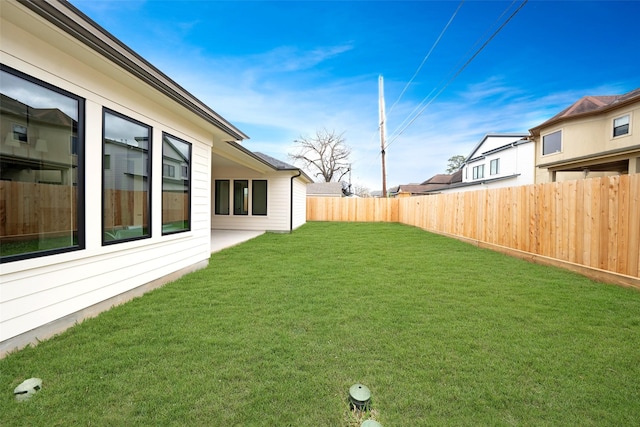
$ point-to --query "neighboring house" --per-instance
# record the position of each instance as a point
(435, 183)
(596, 136)
(113, 176)
(498, 160)
(325, 189)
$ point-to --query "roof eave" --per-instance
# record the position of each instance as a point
(71, 20)
(266, 163)
(535, 131)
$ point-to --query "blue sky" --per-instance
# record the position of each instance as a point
(279, 70)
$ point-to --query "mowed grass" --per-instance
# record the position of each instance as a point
(276, 330)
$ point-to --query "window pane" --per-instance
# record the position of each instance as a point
(40, 177)
(176, 191)
(241, 197)
(259, 197)
(621, 126)
(495, 166)
(552, 143)
(624, 120)
(222, 197)
(127, 201)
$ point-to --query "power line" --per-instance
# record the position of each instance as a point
(427, 55)
(396, 136)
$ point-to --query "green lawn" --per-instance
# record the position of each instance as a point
(276, 330)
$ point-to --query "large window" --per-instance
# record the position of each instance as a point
(495, 167)
(241, 197)
(41, 177)
(552, 143)
(176, 190)
(621, 126)
(222, 197)
(126, 203)
(478, 172)
(258, 197)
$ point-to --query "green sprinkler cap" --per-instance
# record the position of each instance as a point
(359, 395)
(370, 423)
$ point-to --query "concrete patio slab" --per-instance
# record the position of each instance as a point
(221, 239)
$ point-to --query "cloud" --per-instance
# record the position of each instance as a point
(286, 59)
(279, 95)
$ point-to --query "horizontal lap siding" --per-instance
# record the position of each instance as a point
(36, 291)
(278, 200)
(55, 292)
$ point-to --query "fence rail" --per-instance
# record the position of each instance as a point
(593, 222)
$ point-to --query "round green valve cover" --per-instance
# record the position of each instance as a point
(359, 395)
(370, 423)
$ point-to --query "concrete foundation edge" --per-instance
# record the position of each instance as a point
(49, 330)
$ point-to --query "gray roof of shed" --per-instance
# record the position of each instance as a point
(329, 188)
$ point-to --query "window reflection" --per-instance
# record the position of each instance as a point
(39, 178)
(176, 186)
(126, 169)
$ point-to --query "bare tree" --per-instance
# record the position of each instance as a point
(361, 191)
(455, 163)
(325, 153)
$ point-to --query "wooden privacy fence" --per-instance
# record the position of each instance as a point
(593, 223)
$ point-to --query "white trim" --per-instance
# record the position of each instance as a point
(630, 122)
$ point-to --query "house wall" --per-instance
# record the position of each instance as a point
(278, 201)
(587, 136)
(299, 203)
(516, 162)
(37, 291)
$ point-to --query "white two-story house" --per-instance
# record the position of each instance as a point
(497, 160)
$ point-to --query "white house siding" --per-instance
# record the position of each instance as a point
(278, 200)
(36, 291)
(299, 203)
(516, 165)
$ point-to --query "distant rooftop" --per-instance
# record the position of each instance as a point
(325, 189)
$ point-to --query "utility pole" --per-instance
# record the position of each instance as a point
(383, 135)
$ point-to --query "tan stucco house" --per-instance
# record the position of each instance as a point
(113, 176)
(596, 136)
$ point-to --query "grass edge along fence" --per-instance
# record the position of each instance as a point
(589, 226)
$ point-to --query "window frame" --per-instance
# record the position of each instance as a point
(242, 210)
(168, 171)
(494, 170)
(189, 161)
(217, 196)
(253, 197)
(79, 187)
(19, 133)
(542, 139)
(628, 126)
(148, 168)
(478, 172)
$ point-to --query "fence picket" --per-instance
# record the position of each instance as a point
(593, 222)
